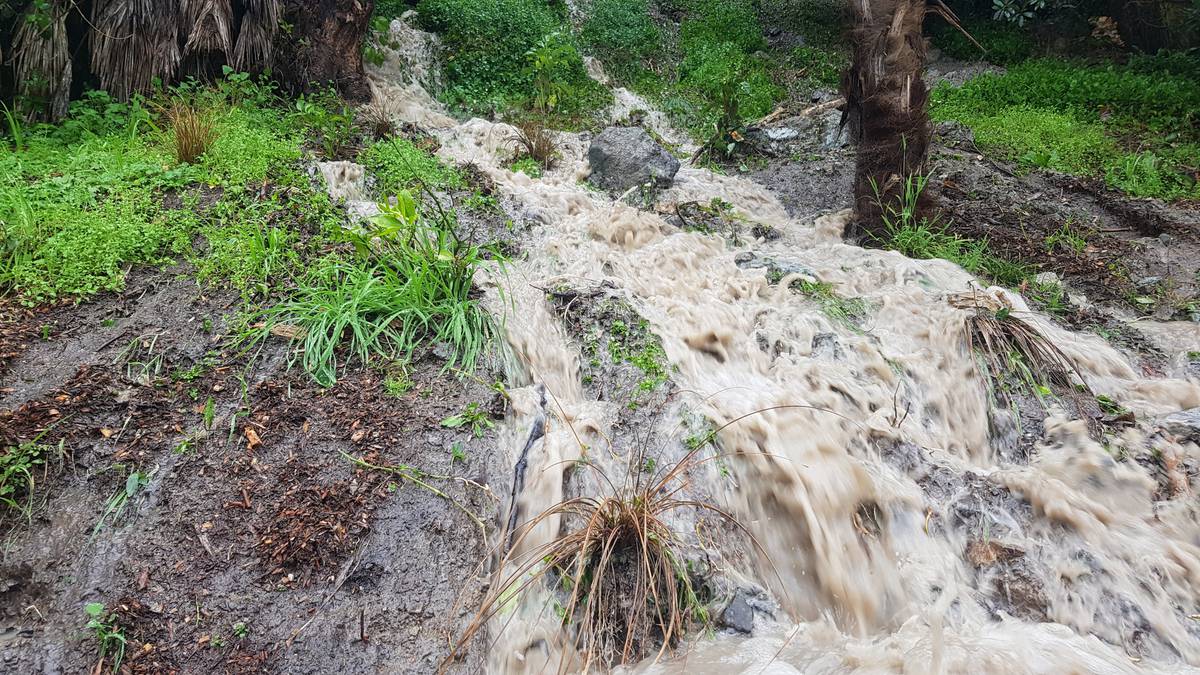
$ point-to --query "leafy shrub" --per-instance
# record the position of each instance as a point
(731, 79)
(487, 43)
(622, 34)
(1146, 174)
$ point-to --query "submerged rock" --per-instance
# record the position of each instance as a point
(625, 157)
(739, 615)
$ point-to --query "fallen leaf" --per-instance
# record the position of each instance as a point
(358, 435)
(106, 432)
(143, 579)
(252, 439)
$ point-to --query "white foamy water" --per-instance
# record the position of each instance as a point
(1068, 561)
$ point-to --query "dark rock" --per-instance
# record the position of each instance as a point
(739, 615)
(625, 157)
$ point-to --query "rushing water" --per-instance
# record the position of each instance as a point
(897, 427)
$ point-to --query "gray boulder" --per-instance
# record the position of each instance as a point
(1185, 424)
(625, 157)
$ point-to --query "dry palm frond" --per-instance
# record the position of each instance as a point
(532, 138)
(42, 62)
(377, 121)
(192, 130)
(620, 566)
(256, 35)
(208, 29)
(134, 42)
(1011, 346)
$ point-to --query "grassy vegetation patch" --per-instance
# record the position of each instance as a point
(624, 36)
(1135, 125)
(399, 165)
(1003, 43)
(508, 53)
(409, 281)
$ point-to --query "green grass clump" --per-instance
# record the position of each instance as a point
(623, 35)
(248, 247)
(489, 65)
(411, 281)
(399, 165)
(1134, 125)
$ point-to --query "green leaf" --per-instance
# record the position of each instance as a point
(132, 483)
(94, 608)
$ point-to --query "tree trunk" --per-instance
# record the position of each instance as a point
(886, 108)
(323, 46)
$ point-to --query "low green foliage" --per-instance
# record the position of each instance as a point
(410, 281)
(490, 44)
(528, 166)
(623, 35)
(849, 312)
(17, 466)
(1135, 125)
(473, 416)
(821, 67)
(115, 507)
(401, 166)
(1003, 43)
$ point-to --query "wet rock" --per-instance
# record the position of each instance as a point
(822, 95)
(626, 157)
(1047, 279)
(1148, 282)
(739, 614)
(1185, 424)
(834, 134)
(776, 269)
(826, 346)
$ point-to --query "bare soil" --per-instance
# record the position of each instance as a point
(256, 546)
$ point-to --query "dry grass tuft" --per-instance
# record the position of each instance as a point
(1009, 346)
(533, 139)
(192, 130)
(377, 121)
(618, 571)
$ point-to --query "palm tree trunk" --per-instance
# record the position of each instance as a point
(324, 46)
(886, 108)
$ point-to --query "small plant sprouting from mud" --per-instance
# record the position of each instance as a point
(114, 508)
(109, 636)
(474, 416)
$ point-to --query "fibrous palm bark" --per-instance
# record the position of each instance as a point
(886, 107)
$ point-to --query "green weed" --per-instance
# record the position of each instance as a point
(17, 466)
(109, 635)
(411, 280)
(115, 507)
(473, 416)
(400, 166)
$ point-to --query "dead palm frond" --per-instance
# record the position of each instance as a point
(192, 130)
(256, 35)
(531, 138)
(619, 565)
(208, 28)
(1009, 346)
(42, 61)
(134, 42)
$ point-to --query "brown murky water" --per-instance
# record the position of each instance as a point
(974, 559)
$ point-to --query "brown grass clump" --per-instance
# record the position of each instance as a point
(193, 131)
(377, 121)
(1009, 346)
(533, 139)
(619, 565)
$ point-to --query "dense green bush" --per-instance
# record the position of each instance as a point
(711, 22)
(488, 44)
(721, 71)
(1003, 43)
(623, 35)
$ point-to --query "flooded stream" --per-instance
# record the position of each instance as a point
(901, 529)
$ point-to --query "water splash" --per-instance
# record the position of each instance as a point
(898, 535)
